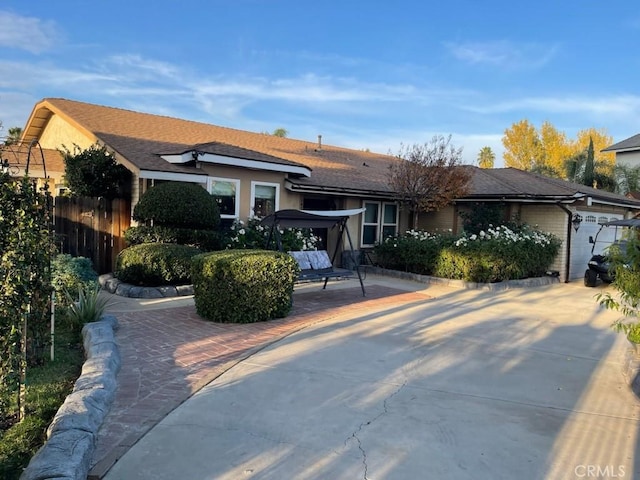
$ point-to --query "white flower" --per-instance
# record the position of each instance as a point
(241, 231)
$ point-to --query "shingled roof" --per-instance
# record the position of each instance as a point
(631, 143)
(142, 138)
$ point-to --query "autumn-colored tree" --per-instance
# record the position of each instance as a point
(486, 158)
(429, 176)
(604, 161)
(556, 149)
(523, 148)
(584, 168)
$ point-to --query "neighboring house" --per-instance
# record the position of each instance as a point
(41, 163)
(627, 151)
(254, 174)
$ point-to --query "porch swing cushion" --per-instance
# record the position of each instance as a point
(316, 265)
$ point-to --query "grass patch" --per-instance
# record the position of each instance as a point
(47, 387)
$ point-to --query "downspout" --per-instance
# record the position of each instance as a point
(569, 237)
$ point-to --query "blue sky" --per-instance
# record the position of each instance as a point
(363, 74)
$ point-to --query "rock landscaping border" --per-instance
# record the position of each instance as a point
(524, 283)
(71, 436)
(117, 287)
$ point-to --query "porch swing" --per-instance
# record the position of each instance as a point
(314, 265)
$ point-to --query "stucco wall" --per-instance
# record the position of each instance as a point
(631, 159)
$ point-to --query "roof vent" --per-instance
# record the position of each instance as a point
(319, 143)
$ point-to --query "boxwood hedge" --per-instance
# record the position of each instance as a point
(243, 286)
(154, 264)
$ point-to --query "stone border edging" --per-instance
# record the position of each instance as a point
(117, 287)
(71, 437)
(524, 283)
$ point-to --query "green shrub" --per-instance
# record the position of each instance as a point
(205, 240)
(243, 286)
(415, 251)
(71, 274)
(253, 235)
(178, 204)
(154, 264)
(495, 255)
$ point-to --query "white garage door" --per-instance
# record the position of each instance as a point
(580, 246)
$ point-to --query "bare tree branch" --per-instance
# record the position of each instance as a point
(429, 176)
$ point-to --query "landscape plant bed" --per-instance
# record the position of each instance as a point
(526, 282)
(47, 387)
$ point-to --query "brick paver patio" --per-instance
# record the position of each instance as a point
(167, 355)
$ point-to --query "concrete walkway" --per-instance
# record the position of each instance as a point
(412, 381)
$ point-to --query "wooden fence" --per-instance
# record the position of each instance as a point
(92, 228)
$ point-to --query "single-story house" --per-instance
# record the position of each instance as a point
(254, 174)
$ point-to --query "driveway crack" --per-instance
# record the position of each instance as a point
(355, 434)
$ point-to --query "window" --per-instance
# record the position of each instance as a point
(226, 191)
(380, 221)
(264, 198)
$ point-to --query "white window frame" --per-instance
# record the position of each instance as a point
(255, 184)
(380, 223)
(210, 181)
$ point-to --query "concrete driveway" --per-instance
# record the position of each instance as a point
(462, 384)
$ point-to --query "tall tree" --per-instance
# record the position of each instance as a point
(589, 167)
(523, 148)
(486, 158)
(604, 161)
(429, 176)
(556, 149)
(14, 136)
(280, 132)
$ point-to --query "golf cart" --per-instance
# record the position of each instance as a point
(598, 266)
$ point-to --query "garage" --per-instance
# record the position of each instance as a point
(580, 246)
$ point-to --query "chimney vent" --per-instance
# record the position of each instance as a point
(319, 143)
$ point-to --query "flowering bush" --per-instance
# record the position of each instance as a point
(500, 253)
(414, 251)
(253, 235)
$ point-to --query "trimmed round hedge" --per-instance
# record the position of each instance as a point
(155, 264)
(178, 204)
(243, 286)
(205, 240)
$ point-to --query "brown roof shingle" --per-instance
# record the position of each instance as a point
(142, 138)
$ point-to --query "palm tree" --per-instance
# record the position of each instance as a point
(486, 157)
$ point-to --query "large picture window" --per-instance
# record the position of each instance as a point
(226, 191)
(264, 198)
(379, 222)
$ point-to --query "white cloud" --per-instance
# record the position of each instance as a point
(503, 54)
(603, 105)
(27, 33)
